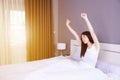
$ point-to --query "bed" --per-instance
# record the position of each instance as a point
(63, 68)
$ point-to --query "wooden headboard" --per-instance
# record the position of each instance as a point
(108, 52)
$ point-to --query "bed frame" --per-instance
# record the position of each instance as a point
(108, 52)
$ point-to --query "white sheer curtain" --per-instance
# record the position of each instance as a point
(12, 32)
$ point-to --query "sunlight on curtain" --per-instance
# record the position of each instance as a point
(12, 32)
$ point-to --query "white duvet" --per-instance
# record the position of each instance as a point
(66, 69)
(56, 68)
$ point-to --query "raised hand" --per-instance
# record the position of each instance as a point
(84, 15)
(67, 22)
(72, 31)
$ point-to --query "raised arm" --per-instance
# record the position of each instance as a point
(90, 28)
(73, 31)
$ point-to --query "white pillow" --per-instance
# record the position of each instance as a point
(108, 68)
(75, 55)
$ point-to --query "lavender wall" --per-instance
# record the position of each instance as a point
(104, 15)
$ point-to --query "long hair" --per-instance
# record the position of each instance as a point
(83, 45)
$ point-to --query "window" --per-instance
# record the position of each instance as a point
(17, 27)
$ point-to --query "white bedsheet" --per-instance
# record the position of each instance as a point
(57, 68)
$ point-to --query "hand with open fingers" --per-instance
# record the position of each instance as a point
(84, 15)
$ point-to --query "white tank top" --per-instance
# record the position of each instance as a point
(91, 56)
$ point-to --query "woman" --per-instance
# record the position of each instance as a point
(89, 43)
